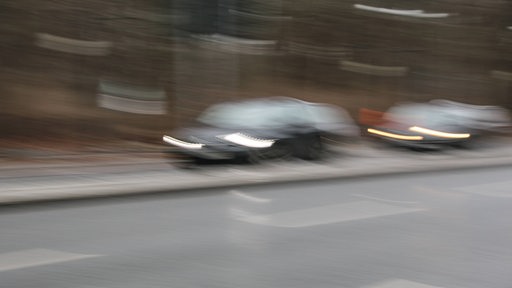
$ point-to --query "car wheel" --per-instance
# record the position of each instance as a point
(312, 148)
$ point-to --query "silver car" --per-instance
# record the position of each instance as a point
(263, 128)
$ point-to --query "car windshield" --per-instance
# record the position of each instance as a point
(425, 115)
(324, 114)
(253, 114)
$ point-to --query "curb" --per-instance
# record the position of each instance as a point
(141, 161)
(226, 179)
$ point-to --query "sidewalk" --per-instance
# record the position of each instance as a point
(145, 169)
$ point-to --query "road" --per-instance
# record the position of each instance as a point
(450, 230)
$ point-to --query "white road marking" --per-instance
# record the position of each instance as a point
(37, 257)
(400, 283)
(249, 197)
(245, 216)
(324, 214)
(495, 189)
(385, 200)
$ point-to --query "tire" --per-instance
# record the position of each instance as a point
(312, 148)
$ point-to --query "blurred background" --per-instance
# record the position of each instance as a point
(77, 71)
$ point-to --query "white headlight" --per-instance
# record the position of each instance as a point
(182, 144)
(248, 141)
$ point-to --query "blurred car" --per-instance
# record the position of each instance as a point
(438, 123)
(486, 118)
(252, 130)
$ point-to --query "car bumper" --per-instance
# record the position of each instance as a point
(419, 140)
(424, 144)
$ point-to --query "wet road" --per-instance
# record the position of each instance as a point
(450, 229)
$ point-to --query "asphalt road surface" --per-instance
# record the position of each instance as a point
(450, 230)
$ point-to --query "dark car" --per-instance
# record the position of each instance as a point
(436, 124)
(264, 128)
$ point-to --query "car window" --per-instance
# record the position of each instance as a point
(420, 114)
(256, 114)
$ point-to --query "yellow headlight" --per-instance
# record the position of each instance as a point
(395, 136)
(439, 133)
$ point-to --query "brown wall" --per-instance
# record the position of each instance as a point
(51, 92)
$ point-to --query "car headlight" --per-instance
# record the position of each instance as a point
(248, 141)
(439, 133)
(395, 136)
(182, 144)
